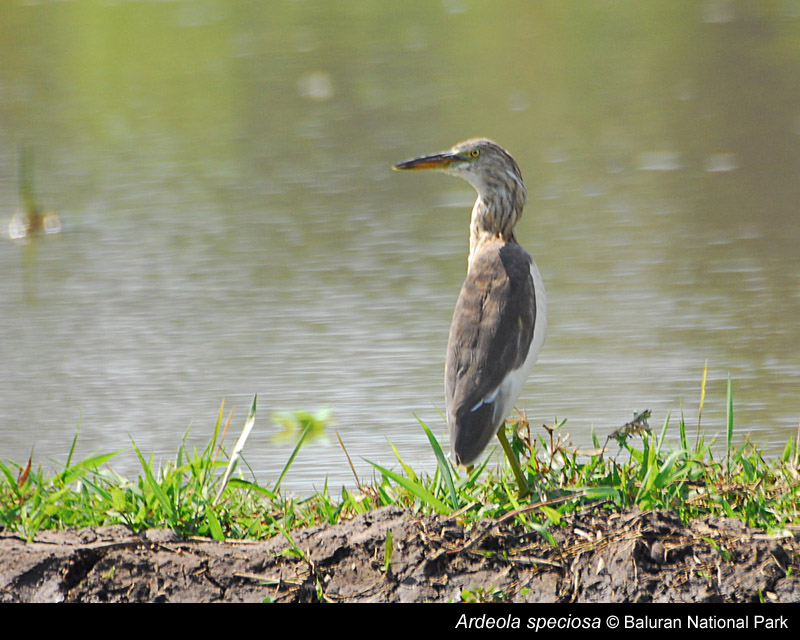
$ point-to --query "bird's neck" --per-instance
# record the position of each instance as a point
(494, 219)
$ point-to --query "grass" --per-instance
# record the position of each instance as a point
(196, 494)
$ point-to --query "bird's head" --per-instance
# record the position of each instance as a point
(481, 162)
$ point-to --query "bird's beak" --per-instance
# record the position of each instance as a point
(436, 161)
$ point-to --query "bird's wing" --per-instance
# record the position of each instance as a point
(490, 336)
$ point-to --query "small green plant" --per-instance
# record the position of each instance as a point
(388, 550)
(302, 423)
(482, 594)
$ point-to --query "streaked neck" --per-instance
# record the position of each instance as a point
(494, 218)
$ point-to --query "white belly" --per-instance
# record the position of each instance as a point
(511, 387)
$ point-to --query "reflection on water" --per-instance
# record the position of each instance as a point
(232, 225)
(31, 220)
(24, 224)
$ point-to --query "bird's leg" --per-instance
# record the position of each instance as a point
(522, 483)
(469, 469)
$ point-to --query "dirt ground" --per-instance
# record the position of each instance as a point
(600, 557)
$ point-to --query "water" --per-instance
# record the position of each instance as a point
(231, 225)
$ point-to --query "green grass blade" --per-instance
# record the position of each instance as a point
(702, 403)
(663, 433)
(238, 448)
(682, 432)
(214, 526)
(444, 465)
(75, 472)
(72, 446)
(156, 488)
(11, 480)
(296, 450)
(729, 422)
(239, 483)
(407, 468)
(388, 549)
(416, 489)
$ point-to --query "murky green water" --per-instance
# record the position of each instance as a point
(231, 224)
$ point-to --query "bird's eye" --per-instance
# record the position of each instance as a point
(474, 153)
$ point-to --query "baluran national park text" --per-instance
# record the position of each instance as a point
(486, 621)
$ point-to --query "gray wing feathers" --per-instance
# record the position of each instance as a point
(490, 336)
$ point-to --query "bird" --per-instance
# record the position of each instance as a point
(500, 319)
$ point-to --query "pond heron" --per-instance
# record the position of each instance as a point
(500, 318)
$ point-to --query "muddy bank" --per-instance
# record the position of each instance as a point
(600, 557)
